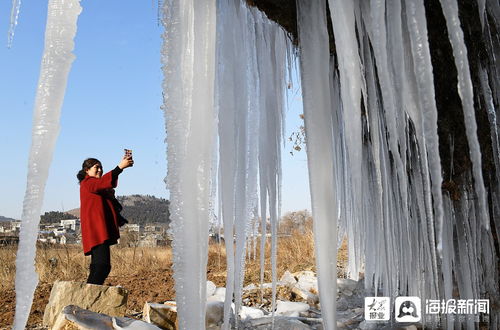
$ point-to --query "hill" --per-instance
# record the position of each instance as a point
(2, 218)
(140, 209)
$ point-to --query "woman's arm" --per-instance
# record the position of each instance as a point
(108, 180)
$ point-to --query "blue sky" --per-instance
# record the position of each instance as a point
(112, 102)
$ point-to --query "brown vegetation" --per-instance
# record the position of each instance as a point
(145, 272)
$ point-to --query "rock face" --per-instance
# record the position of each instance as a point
(163, 315)
(74, 317)
(97, 298)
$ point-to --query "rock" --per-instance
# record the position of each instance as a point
(289, 308)
(211, 287)
(73, 317)
(215, 314)
(162, 315)
(345, 284)
(250, 313)
(307, 281)
(347, 293)
(108, 300)
(165, 315)
(308, 296)
(288, 279)
(342, 304)
(255, 287)
(367, 325)
(250, 287)
(219, 295)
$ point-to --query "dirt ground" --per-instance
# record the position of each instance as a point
(154, 286)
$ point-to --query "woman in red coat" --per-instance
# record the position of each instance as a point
(98, 216)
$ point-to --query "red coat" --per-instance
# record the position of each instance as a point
(98, 218)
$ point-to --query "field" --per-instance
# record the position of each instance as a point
(145, 272)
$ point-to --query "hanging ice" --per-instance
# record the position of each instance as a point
(450, 9)
(56, 63)
(14, 15)
(188, 58)
(314, 58)
(250, 101)
(371, 119)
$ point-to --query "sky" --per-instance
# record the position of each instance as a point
(112, 102)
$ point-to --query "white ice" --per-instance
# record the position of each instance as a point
(56, 64)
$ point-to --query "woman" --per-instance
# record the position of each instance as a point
(98, 214)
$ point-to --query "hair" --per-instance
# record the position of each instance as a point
(87, 164)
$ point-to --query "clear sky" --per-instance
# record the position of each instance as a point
(112, 102)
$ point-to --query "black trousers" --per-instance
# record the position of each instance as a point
(100, 264)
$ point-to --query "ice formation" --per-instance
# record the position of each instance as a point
(14, 15)
(315, 58)
(56, 63)
(188, 58)
(249, 102)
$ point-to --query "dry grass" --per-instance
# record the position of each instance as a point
(146, 272)
(67, 262)
(55, 262)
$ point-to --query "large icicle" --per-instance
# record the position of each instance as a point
(14, 15)
(314, 58)
(251, 53)
(188, 58)
(351, 86)
(417, 27)
(450, 9)
(56, 63)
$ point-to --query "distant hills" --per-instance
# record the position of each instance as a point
(2, 218)
(140, 209)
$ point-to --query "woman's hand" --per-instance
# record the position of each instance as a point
(126, 162)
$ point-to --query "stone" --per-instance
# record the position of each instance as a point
(214, 314)
(162, 315)
(255, 287)
(108, 300)
(288, 279)
(291, 308)
(73, 317)
(165, 315)
(307, 281)
(346, 284)
(342, 304)
(367, 325)
(250, 313)
(211, 287)
(219, 295)
(308, 296)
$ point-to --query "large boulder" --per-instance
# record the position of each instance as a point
(107, 300)
(75, 318)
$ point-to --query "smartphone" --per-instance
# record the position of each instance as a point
(128, 153)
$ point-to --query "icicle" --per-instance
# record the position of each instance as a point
(450, 9)
(14, 15)
(351, 85)
(188, 58)
(56, 63)
(425, 85)
(314, 58)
